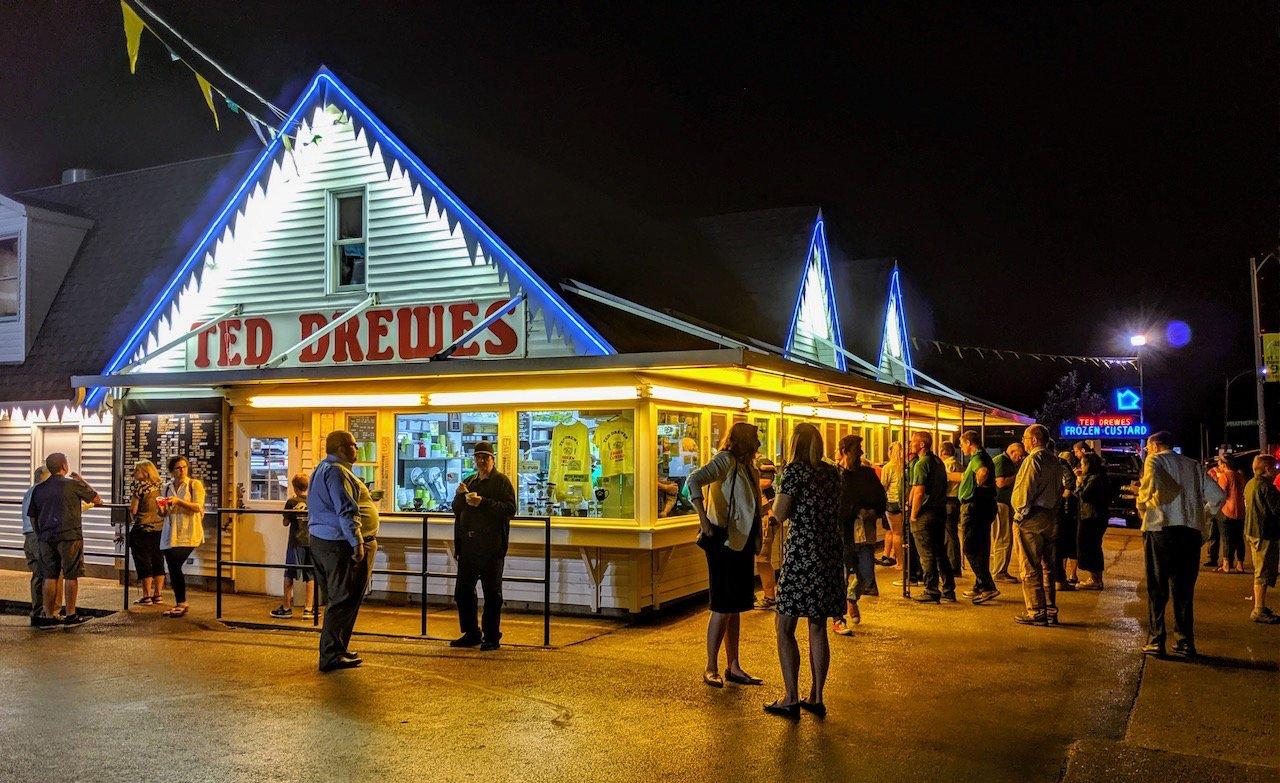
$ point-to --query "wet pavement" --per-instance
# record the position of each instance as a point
(919, 693)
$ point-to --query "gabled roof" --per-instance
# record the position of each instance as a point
(143, 221)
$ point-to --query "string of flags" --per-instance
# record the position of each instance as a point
(134, 24)
(1129, 362)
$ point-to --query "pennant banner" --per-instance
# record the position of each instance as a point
(1130, 362)
(208, 97)
(132, 34)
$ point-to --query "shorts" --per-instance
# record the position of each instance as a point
(894, 508)
(61, 558)
(1266, 561)
(298, 556)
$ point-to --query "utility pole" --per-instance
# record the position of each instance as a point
(1260, 378)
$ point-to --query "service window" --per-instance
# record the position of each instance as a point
(770, 448)
(576, 463)
(347, 233)
(8, 277)
(434, 452)
(679, 454)
(719, 428)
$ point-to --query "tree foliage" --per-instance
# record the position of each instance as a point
(1066, 400)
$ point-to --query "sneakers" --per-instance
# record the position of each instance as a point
(308, 613)
(1153, 648)
(281, 612)
(1007, 577)
(1051, 619)
(914, 583)
(489, 645)
(75, 619)
(1184, 649)
(840, 628)
(766, 603)
(1089, 585)
(45, 623)
(929, 598)
(949, 596)
(1264, 616)
(1032, 619)
(982, 596)
(1066, 587)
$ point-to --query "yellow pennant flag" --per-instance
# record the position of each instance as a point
(208, 97)
(132, 34)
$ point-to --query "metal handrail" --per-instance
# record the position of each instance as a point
(423, 574)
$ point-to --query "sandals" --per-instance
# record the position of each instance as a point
(783, 710)
(178, 611)
(816, 707)
(712, 679)
(742, 679)
(146, 600)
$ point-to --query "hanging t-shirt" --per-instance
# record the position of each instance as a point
(613, 442)
(571, 459)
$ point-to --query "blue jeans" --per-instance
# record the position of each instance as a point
(861, 566)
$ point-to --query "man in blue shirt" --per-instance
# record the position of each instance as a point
(343, 525)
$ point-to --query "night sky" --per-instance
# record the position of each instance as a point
(1049, 175)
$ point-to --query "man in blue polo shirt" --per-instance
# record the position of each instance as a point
(344, 527)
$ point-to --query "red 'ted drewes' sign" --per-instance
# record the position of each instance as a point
(399, 333)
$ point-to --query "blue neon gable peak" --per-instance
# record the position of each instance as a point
(818, 242)
(325, 87)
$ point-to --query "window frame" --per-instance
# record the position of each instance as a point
(19, 275)
(331, 241)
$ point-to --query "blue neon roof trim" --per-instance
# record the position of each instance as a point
(895, 303)
(324, 84)
(818, 239)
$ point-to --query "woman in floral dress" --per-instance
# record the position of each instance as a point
(812, 584)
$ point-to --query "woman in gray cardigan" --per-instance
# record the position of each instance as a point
(729, 532)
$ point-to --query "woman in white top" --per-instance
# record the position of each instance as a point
(729, 526)
(183, 527)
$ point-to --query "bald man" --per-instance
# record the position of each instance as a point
(1037, 493)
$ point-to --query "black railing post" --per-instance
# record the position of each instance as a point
(125, 540)
(422, 580)
(546, 584)
(217, 606)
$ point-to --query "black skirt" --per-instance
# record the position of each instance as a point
(733, 578)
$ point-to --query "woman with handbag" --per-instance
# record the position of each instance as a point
(812, 584)
(729, 533)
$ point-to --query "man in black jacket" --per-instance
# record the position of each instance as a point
(482, 511)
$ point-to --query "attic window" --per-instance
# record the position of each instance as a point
(347, 232)
(8, 277)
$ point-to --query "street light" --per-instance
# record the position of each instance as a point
(1140, 341)
(1226, 403)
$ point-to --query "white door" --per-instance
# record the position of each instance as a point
(267, 456)
(57, 438)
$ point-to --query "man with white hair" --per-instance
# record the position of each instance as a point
(1037, 491)
(1176, 499)
(55, 513)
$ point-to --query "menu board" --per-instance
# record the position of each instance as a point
(157, 436)
(364, 429)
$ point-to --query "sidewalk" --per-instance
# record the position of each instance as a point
(518, 629)
(1214, 719)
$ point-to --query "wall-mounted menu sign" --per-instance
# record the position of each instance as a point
(364, 428)
(160, 429)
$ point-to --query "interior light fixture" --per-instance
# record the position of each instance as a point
(799, 410)
(336, 401)
(842, 415)
(878, 418)
(516, 396)
(672, 394)
(764, 406)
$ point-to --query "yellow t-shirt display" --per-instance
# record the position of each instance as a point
(613, 441)
(571, 459)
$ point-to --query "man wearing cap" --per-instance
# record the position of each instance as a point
(482, 511)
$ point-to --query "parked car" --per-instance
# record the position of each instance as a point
(1124, 469)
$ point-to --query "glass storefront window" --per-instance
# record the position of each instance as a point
(434, 453)
(770, 446)
(269, 469)
(678, 455)
(576, 463)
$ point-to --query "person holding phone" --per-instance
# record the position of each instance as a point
(483, 506)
